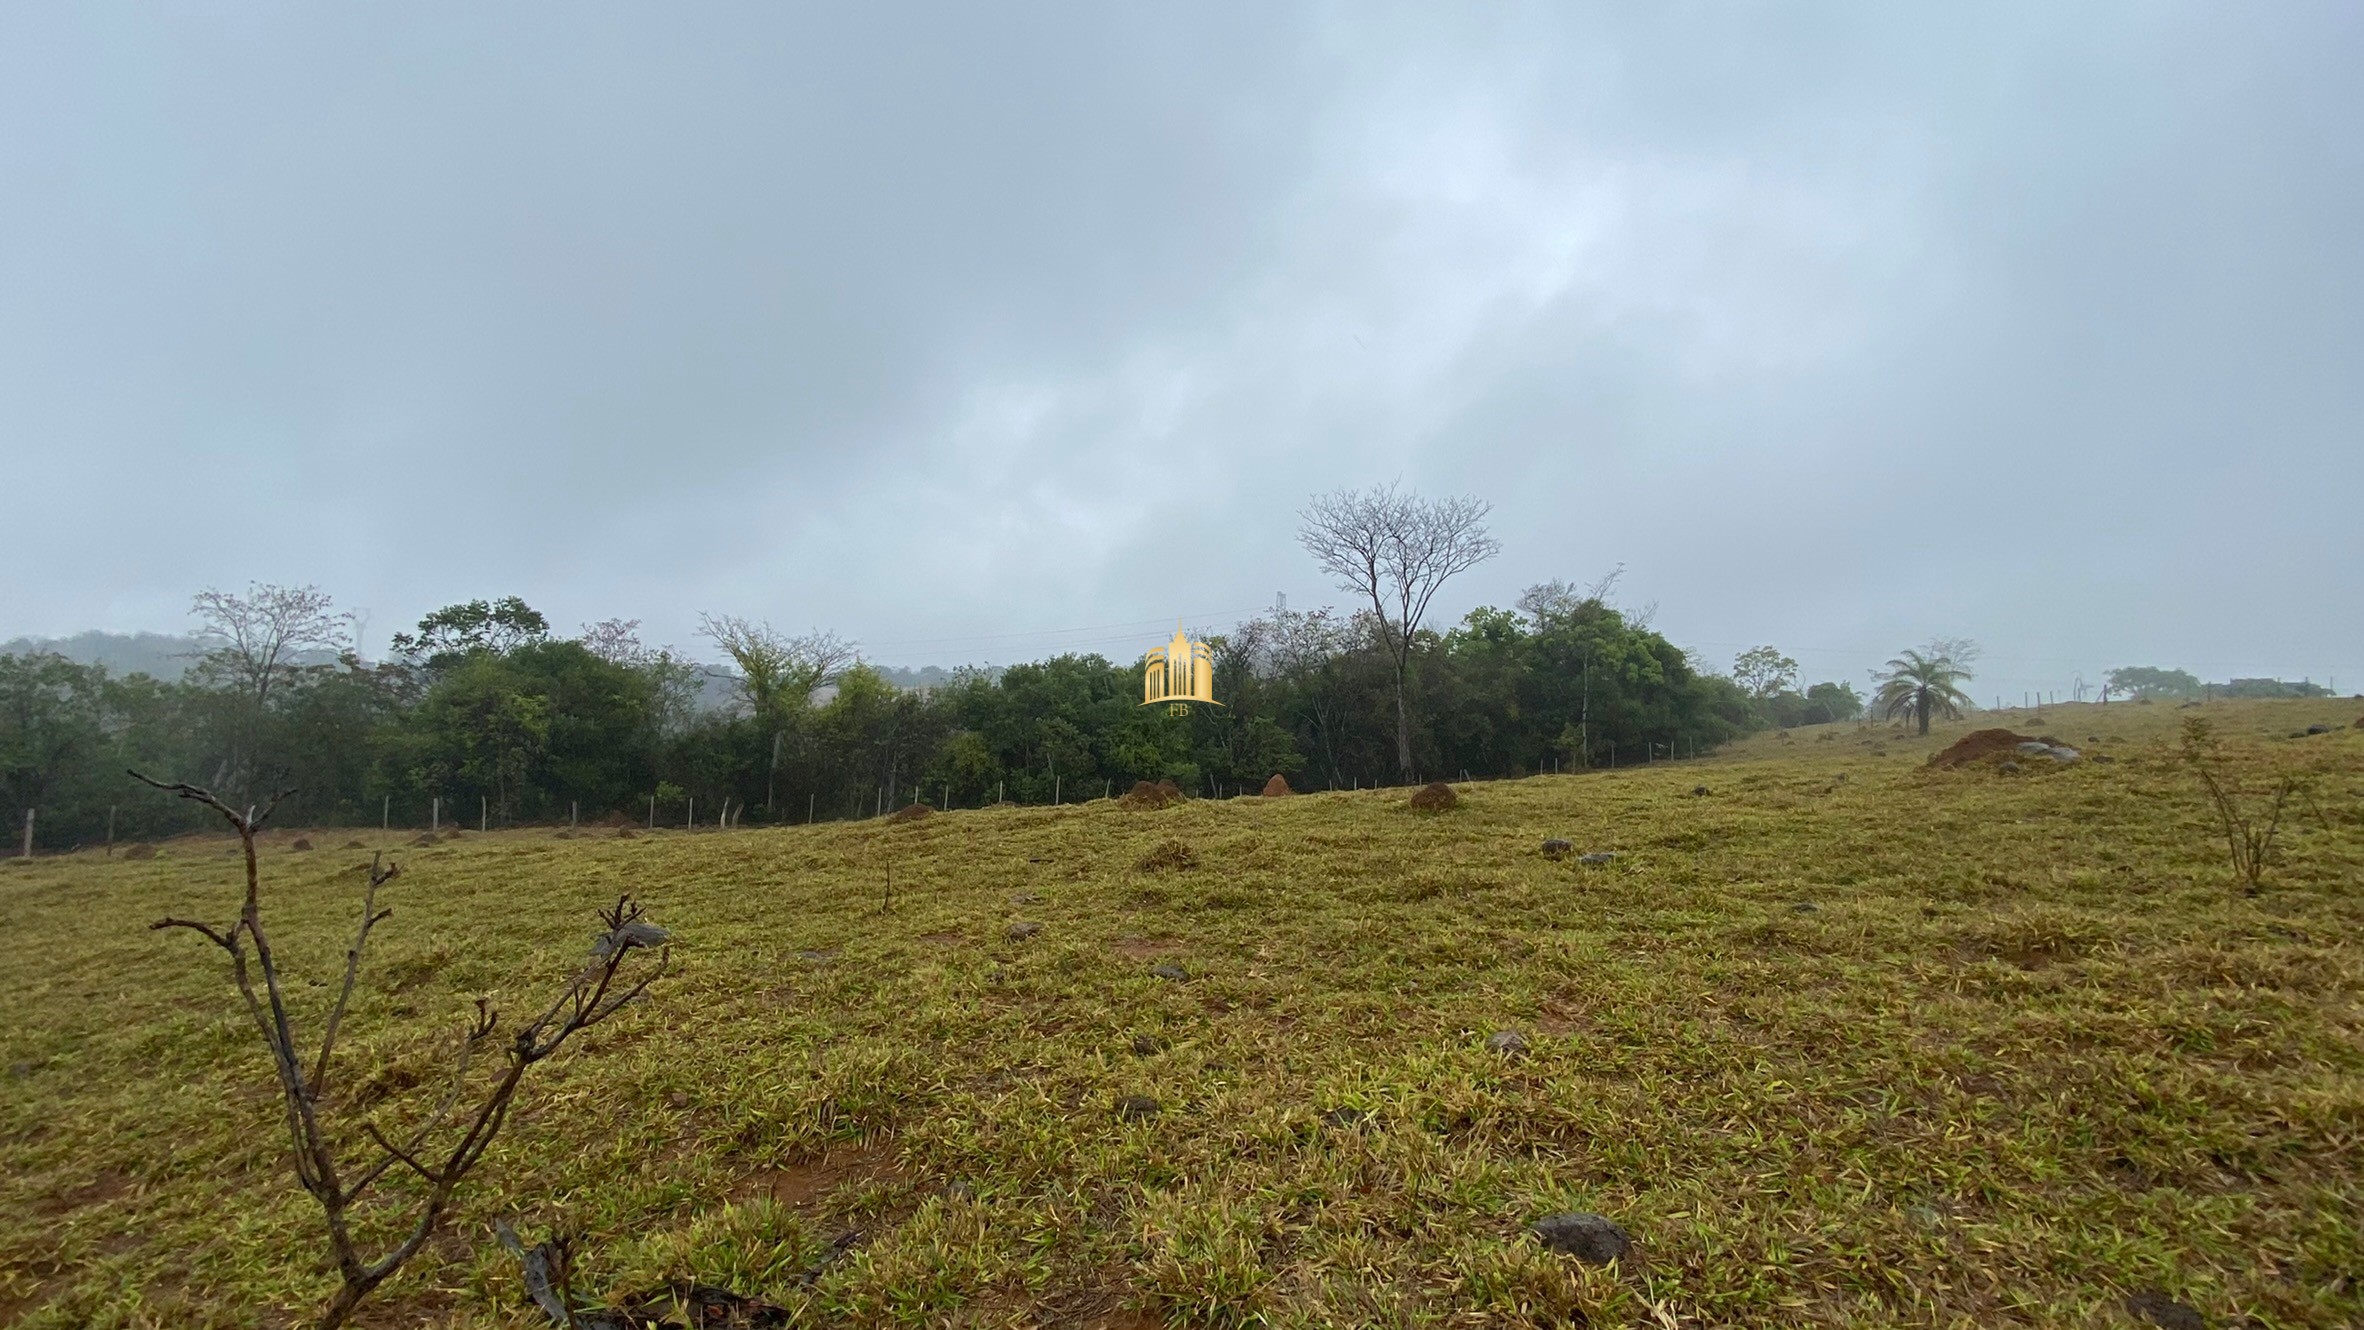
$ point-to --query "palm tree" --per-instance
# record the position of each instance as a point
(1918, 684)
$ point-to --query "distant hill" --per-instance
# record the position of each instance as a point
(162, 655)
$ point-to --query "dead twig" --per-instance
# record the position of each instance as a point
(592, 996)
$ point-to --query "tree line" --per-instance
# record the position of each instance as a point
(483, 714)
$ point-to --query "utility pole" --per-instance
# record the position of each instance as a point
(435, 815)
(28, 851)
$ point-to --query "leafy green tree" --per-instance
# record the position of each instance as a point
(477, 627)
(2141, 682)
(1762, 672)
(1923, 683)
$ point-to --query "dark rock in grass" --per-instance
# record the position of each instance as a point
(1169, 970)
(1804, 907)
(2318, 729)
(2165, 1312)
(959, 1191)
(1027, 898)
(1555, 847)
(1136, 1108)
(1699, 791)
(1509, 1042)
(1597, 857)
(2007, 768)
(1147, 1045)
(1589, 1238)
(299, 843)
(816, 957)
(1024, 929)
(1346, 1118)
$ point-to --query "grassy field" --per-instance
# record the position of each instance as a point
(1838, 1039)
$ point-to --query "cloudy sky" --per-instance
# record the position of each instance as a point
(979, 332)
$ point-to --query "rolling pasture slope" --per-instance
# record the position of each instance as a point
(1838, 1039)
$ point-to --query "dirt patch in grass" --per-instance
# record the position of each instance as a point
(1143, 948)
(1434, 797)
(108, 1186)
(911, 813)
(809, 1182)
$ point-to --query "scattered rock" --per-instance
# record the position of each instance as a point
(1027, 898)
(2318, 729)
(959, 1191)
(1346, 1117)
(1555, 847)
(1701, 791)
(1277, 787)
(1024, 929)
(1597, 857)
(1805, 907)
(1136, 1108)
(299, 843)
(2165, 1312)
(141, 850)
(911, 813)
(1169, 970)
(1589, 1238)
(1509, 1042)
(1434, 797)
(677, 1101)
(1168, 856)
(2007, 767)
(2034, 747)
(1148, 1045)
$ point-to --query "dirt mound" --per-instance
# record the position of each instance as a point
(1434, 797)
(299, 843)
(355, 845)
(2360, 722)
(141, 850)
(423, 839)
(1145, 795)
(911, 813)
(625, 833)
(1168, 856)
(1276, 787)
(1978, 745)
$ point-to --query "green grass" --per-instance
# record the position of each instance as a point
(2032, 1049)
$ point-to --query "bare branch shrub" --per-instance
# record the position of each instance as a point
(2250, 840)
(441, 1149)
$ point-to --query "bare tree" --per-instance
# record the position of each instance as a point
(1394, 550)
(777, 674)
(591, 997)
(251, 643)
(253, 639)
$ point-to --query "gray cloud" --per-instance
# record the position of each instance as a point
(1840, 327)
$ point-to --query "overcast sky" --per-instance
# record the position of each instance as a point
(978, 332)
